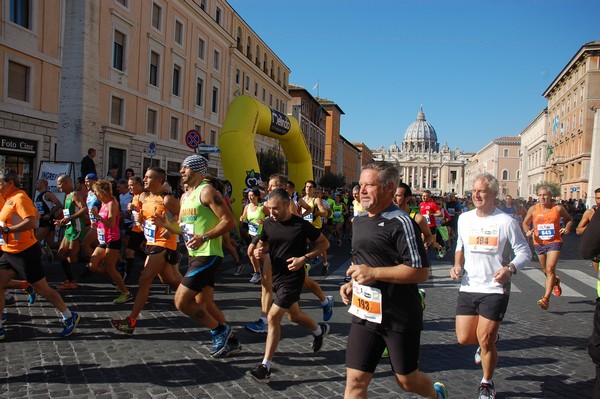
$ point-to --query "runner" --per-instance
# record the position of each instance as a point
(109, 238)
(91, 201)
(161, 246)
(204, 218)
(547, 237)
(253, 214)
(339, 212)
(581, 227)
(136, 235)
(315, 213)
(75, 229)
(429, 209)
(285, 235)
(47, 205)
(21, 252)
(485, 239)
(388, 261)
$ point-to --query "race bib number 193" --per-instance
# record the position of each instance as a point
(366, 303)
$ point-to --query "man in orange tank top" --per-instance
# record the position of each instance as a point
(547, 239)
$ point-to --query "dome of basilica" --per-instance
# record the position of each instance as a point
(420, 136)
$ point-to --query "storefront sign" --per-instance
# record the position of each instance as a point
(18, 145)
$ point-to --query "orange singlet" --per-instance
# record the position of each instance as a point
(154, 204)
(546, 225)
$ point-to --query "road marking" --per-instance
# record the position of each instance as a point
(539, 277)
(581, 276)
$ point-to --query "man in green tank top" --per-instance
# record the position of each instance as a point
(203, 218)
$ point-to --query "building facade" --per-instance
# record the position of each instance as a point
(423, 164)
(572, 97)
(349, 159)
(332, 135)
(533, 154)
(123, 77)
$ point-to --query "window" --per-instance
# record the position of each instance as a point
(176, 80)
(237, 76)
(20, 13)
(505, 174)
(203, 5)
(198, 128)
(264, 96)
(118, 51)
(247, 83)
(213, 137)
(218, 15)
(255, 89)
(201, 47)
(123, 2)
(154, 63)
(217, 60)
(156, 16)
(214, 107)
(18, 81)
(116, 111)
(179, 33)
(174, 132)
(199, 92)
(506, 153)
(151, 121)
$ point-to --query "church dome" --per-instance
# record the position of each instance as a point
(420, 136)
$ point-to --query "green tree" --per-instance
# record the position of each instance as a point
(332, 181)
(269, 162)
(554, 188)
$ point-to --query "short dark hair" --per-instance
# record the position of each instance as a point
(280, 193)
(162, 175)
(90, 150)
(9, 175)
(406, 187)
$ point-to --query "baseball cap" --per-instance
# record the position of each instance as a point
(91, 176)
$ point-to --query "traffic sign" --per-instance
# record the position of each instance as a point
(152, 149)
(193, 139)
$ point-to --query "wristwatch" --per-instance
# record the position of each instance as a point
(512, 268)
(205, 238)
(5, 230)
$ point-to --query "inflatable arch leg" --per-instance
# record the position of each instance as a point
(246, 117)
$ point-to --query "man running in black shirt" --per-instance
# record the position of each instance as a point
(285, 235)
(388, 261)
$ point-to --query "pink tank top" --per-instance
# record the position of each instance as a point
(105, 234)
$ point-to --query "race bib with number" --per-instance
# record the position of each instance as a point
(150, 232)
(67, 215)
(188, 231)
(100, 232)
(252, 229)
(485, 240)
(366, 303)
(309, 217)
(546, 231)
(40, 208)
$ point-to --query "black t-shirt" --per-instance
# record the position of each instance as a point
(287, 239)
(389, 239)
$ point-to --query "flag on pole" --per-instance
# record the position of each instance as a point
(548, 152)
(315, 86)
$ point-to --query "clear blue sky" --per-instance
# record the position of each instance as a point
(478, 67)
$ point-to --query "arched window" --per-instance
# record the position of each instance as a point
(505, 174)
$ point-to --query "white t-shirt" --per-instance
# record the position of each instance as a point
(486, 243)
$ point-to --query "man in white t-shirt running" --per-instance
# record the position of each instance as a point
(485, 238)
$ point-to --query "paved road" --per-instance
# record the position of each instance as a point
(543, 354)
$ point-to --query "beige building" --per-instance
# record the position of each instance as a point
(501, 158)
(123, 75)
(332, 135)
(349, 160)
(423, 165)
(366, 155)
(572, 97)
(533, 155)
(311, 116)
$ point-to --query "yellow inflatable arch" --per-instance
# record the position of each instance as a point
(246, 117)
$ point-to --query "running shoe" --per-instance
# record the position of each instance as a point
(307, 268)
(543, 303)
(316, 260)
(31, 294)
(318, 339)
(325, 269)
(70, 324)
(2, 333)
(385, 353)
(10, 301)
(441, 390)
(4, 315)
(423, 295)
(219, 340)
(124, 297)
(67, 285)
(487, 391)
(441, 252)
(232, 348)
(124, 325)
(556, 290)
(261, 373)
(328, 309)
(238, 269)
(258, 327)
(256, 276)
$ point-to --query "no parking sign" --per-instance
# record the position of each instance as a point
(193, 139)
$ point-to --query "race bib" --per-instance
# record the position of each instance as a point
(150, 232)
(427, 218)
(2, 242)
(67, 215)
(451, 211)
(40, 208)
(188, 231)
(309, 217)
(337, 215)
(100, 233)
(546, 231)
(252, 229)
(439, 220)
(366, 303)
(484, 240)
